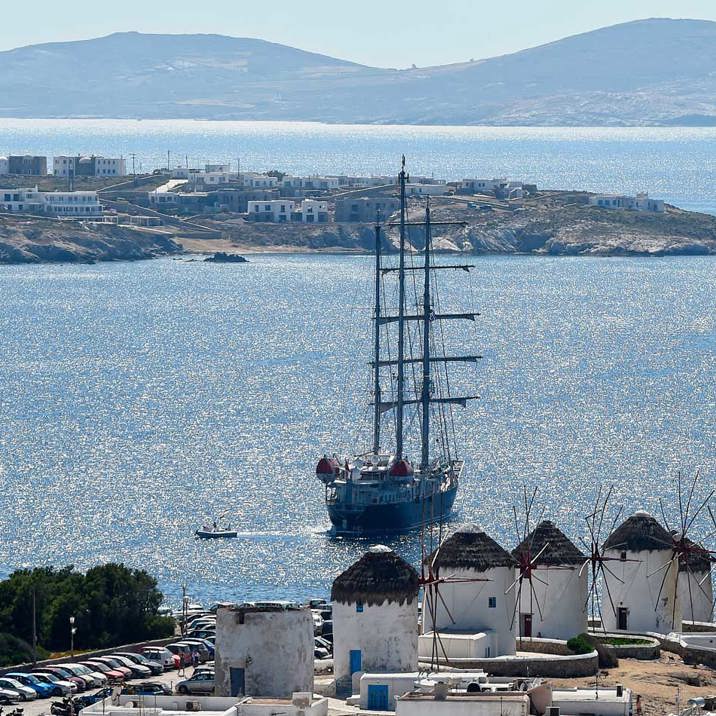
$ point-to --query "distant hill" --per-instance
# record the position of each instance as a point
(647, 72)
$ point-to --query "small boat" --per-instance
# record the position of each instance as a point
(215, 531)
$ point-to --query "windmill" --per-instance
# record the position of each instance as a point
(683, 549)
(543, 547)
(597, 561)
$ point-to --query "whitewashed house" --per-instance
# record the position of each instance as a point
(473, 615)
(264, 651)
(259, 181)
(643, 583)
(640, 202)
(553, 602)
(93, 166)
(4, 166)
(417, 189)
(695, 585)
(22, 200)
(313, 211)
(375, 617)
(276, 210)
(67, 204)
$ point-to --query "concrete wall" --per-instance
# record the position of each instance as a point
(275, 649)
(386, 635)
(696, 589)
(638, 591)
(485, 705)
(469, 607)
(561, 613)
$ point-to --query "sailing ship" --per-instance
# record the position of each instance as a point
(381, 490)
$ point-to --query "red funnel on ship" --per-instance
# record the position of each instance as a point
(402, 468)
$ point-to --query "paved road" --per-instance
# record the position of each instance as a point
(42, 706)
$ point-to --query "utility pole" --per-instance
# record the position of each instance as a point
(184, 605)
(73, 629)
(34, 626)
(169, 154)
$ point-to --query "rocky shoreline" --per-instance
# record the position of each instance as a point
(552, 223)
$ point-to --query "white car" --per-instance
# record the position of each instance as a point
(160, 654)
(25, 693)
(8, 696)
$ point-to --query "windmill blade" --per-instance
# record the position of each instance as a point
(703, 504)
(616, 519)
(513, 585)
(539, 519)
(586, 562)
(591, 591)
(518, 603)
(533, 595)
(540, 553)
(520, 538)
(611, 601)
(540, 580)
(676, 598)
(663, 581)
(691, 596)
(688, 501)
(584, 543)
(442, 601)
(604, 509)
(604, 567)
(663, 566)
(681, 504)
(663, 515)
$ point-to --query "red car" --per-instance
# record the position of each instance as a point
(114, 671)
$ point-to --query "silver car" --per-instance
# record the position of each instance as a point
(25, 693)
(201, 683)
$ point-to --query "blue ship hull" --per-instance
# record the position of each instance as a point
(359, 520)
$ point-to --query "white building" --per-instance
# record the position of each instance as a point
(96, 166)
(216, 178)
(315, 183)
(553, 603)
(277, 210)
(71, 204)
(259, 181)
(375, 617)
(640, 202)
(696, 587)
(313, 211)
(221, 168)
(22, 200)
(643, 583)
(264, 651)
(481, 186)
(416, 189)
(4, 166)
(476, 612)
(298, 704)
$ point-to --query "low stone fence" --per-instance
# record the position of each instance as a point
(690, 653)
(645, 652)
(84, 655)
(548, 665)
(540, 645)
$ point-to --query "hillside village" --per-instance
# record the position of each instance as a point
(220, 208)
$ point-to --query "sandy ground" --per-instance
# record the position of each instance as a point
(657, 681)
(210, 246)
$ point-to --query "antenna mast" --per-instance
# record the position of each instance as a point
(401, 322)
(376, 346)
(427, 380)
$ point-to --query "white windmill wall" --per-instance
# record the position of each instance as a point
(639, 589)
(274, 648)
(561, 602)
(385, 634)
(700, 595)
(469, 605)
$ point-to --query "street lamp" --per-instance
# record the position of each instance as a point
(73, 629)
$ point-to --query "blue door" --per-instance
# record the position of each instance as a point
(378, 697)
(355, 660)
(238, 678)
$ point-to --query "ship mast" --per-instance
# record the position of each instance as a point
(427, 380)
(401, 323)
(376, 344)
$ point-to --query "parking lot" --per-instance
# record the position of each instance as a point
(42, 706)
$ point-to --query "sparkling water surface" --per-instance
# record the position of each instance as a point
(138, 400)
(677, 164)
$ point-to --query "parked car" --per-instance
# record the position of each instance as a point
(198, 646)
(9, 696)
(208, 644)
(60, 687)
(183, 651)
(201, 633)
(81, 672)
(90, 699)
(85, 672)
(154, 666)
(327, 628)
(114, 665)
(43, 690)
(24, 692)
(64, 673)
(201, 683)
(148, 688)
(161, 655)
(320, 652)
(112, 674)
(138, 671)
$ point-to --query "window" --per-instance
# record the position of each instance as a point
(492, 602)
(359, 606)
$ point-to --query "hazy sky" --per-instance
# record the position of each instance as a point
(390, 33)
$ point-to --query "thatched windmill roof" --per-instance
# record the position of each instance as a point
(560, 549)
(470, 547)
(379, 575)
(698, 559)
(639, 533)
